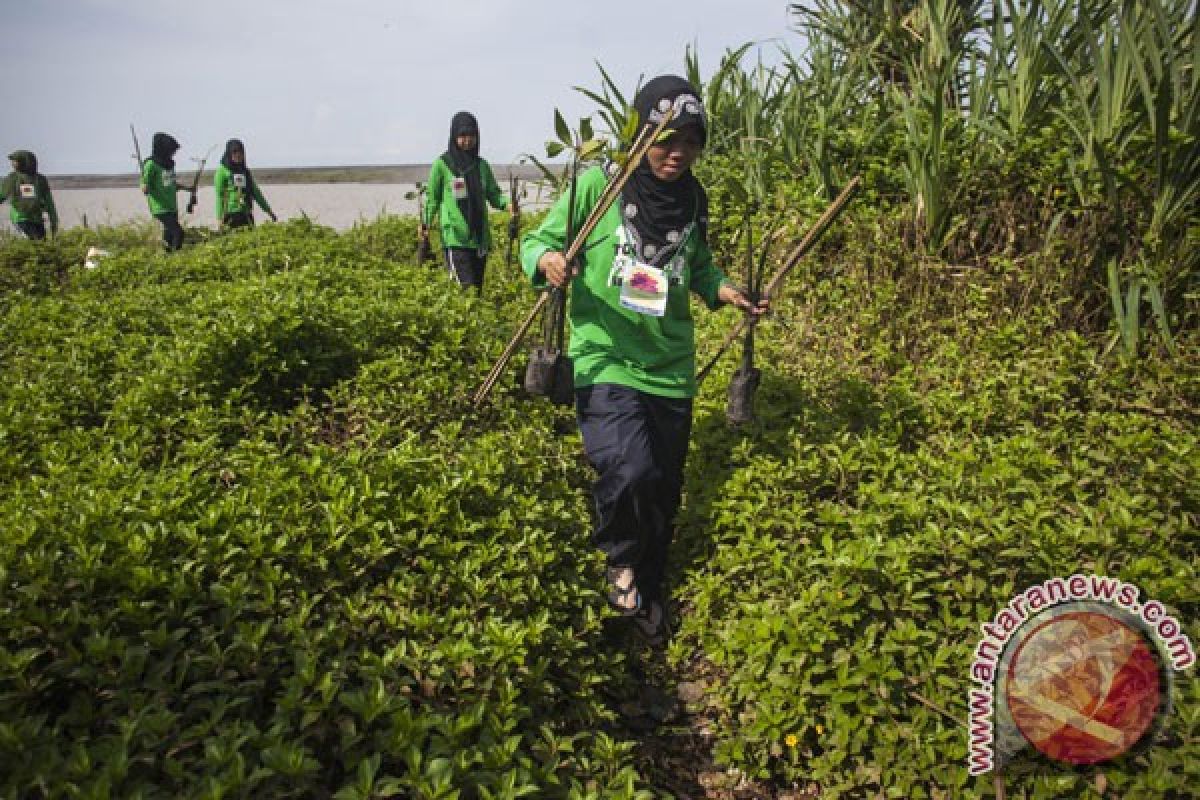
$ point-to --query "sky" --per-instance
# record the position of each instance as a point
(337, 82)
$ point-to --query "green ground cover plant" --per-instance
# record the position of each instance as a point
(841, 561)
(254, 542)
(249, 548)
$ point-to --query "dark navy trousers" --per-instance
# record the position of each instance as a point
(33, 229)
(172, 230)
(637, 443)
(466, 266)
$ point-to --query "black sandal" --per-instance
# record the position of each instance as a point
(652, 623)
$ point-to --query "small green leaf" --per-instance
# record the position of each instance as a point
(591, 149)
(631, 125)
(561, 129)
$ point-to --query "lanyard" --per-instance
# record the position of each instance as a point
(659, 257)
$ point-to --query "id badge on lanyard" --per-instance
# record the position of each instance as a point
(28, 190)
(644, 289)
(460, 188)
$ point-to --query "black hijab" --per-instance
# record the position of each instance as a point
(465, 164)
(241, 169)
(162, 150)
(659, 211)
(26, 162)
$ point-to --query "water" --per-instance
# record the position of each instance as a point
(338, 205)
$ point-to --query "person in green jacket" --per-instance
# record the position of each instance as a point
(29, 192)
(236, 189)
(632, 342)
(461, 185)
(160, 186)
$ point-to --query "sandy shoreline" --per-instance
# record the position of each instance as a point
(390, 174)
(338, 204)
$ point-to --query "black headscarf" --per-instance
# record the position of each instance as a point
(241, 169)
(465, 164)
(26, 162)
(659, 211)
(162, 150)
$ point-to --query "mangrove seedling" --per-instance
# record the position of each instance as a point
(514, 221)
(424, 252)
(772, 286)
(191, 206)
(744, 383)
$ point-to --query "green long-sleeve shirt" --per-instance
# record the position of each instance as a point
(611, 343)
(441, 202)
(30, 198)
(230, 188)
(161, 187)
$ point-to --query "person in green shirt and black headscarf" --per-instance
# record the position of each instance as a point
(461, 185)
(160, 185)
(29, 192)
(633, 342)
(236, 189)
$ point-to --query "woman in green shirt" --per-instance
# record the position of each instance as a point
(236, 189)
(29, 192)
(461, 185)
(632, 342)
(160, 186)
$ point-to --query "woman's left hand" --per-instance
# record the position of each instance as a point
(731, 295)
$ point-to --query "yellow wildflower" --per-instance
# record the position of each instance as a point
(791, 740)
(820, 729)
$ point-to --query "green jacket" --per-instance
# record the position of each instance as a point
(231, 198)
(611, 343)
(439, 197)
(161, 188)
(30, 197)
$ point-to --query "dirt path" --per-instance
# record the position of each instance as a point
(665, 711)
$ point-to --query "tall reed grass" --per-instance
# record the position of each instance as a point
(943, 100)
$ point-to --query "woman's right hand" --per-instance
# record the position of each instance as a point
(553, 265)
